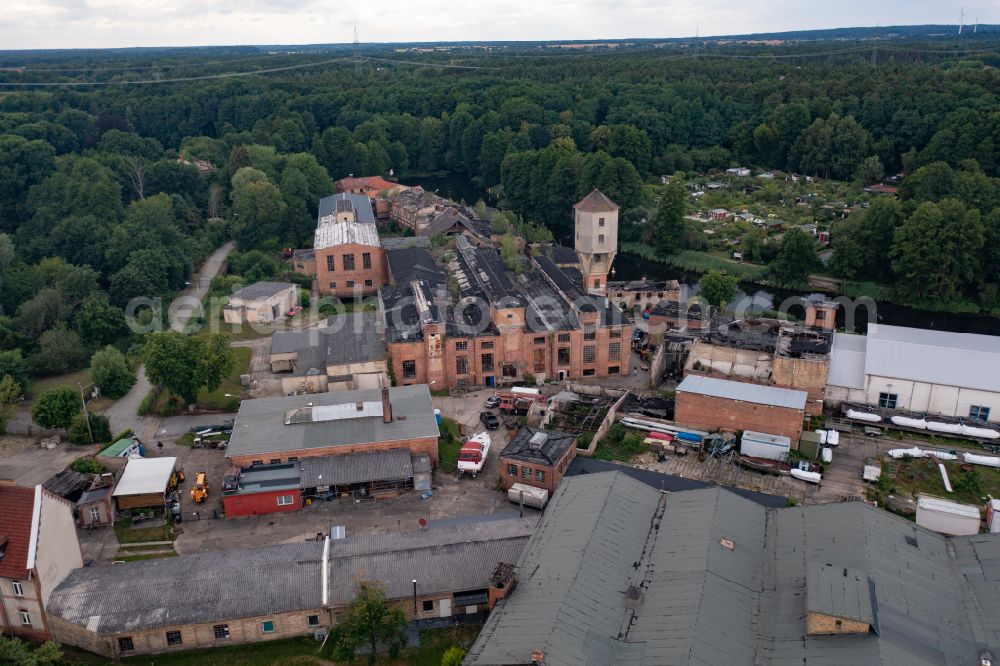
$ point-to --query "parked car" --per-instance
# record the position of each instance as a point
(492, 402)
(294, 311)
(489, 420)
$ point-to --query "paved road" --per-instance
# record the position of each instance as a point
(124, 413)
(184, 305)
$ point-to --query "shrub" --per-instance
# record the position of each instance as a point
(86, 465)
(100, 426)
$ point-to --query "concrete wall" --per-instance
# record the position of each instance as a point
(712, 413)
(242, 630)
(932, 398)
(58, 549)
(425, 445)
(377, 274)
(260, 311)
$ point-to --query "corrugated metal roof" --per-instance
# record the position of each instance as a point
(847, 361)
(723, 388)
(966, 360)
(260, 424)
(226, 585)
(360, 203)
(262, 290)
(331, 233)
(356, 468)
(145, 475)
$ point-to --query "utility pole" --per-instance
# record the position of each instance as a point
(86, 414)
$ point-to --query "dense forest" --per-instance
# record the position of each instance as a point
(119, 171)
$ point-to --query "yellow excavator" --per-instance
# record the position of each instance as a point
(199, 491)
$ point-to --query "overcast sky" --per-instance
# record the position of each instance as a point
(34, 24)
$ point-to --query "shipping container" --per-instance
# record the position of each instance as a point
(764, 445)
(947, 517)
(535, 497)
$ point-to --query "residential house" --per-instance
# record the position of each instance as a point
(96, 507)
(718, 214)
(38, 550)
(537, 457)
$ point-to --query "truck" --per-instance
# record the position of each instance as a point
(517, 400)
(472, 456)
(199, 492)
(530, 495)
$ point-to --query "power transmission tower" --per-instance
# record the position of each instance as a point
(357, 52)
(875, 47)
(961, 20)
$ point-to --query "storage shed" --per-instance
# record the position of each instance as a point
(947, 517)
(764, 445)
(144, 483)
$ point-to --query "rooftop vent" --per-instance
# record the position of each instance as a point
(538, 440)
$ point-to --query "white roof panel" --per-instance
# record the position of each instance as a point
(966, 360)
(847, 361)
(145, 475)
(723, 388)
(330, 233)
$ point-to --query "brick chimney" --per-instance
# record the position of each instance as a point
(502, 582)
(386, 406)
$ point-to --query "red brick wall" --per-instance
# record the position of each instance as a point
(553, 475)
(710, 413)
(260, 504)
(423, 445)
(377, 273)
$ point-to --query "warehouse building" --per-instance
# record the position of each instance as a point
(224, 597)
(916, 370)
(710, 403)
(260, 303)
(348, 253)
(619, 572)
(264, 489)
(268, 431)
(348, 353)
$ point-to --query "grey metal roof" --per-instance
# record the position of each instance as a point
(360, 203)
(203, 587)
(453, 558)
(966, 360)
(226, 585)
(268, 478)
(262, 290)
(847, 361)
(354, 337)
(260, 424)
(839, 591)
(535, 445)
(356, 468)
(620, 573)
(762, 395)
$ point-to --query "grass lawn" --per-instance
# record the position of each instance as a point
(300, 651)
(213, 401)
(142, 556)
(449, 444)
(39, 385)
(921, 475)
(129, 534)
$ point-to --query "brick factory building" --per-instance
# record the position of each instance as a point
(264, 489)
(536, 321)
(537, 457)
(270, 431)
(349, 257)
(706, 402)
